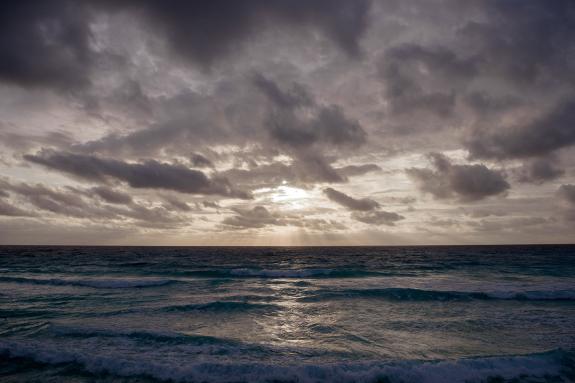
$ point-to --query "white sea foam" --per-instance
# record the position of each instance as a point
(551, 365)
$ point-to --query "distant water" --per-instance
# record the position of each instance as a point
(358, 314)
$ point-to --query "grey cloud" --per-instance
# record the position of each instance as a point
(567, 194)
(71, 202)
(177, 204)
(466, 182)
(255, 218)
(292, 98)
(211, 204)
(422, 78)
(363, 204)
(112, 196)
(149, 174)
(45, 43)
(552, 131)
(19, 141)
(199, 161)
(186, 24)
(307, 168)
(539, 171)
(313, 167)
(329, 126)
(260, 217)
(9, 210)
(502, 49)
(59, 31)
(377, 217)
(357, 170)
(294, 128)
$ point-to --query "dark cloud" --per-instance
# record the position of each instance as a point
(45, 43)
(500, 45)
(211, 204)
(9, 210)
(539, 171)
(255, 218)
(422, 78)
(554, 130)
(377, 217)
(19, 141)
(292, 98)
(567, 194)
(363, 204)
(149, 174)
(174, 203)
(59, 31)
(205, 31)
(112, 196)
(199, 161)
(85, 204)
(466, 182)
(357, 170)
(297, 121)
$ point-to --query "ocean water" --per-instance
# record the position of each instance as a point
(317, 314)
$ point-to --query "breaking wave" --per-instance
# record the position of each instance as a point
(552, 366)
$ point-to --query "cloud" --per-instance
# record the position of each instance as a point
(292, 98)
(567, 194)
(364, 210)
(377, 217)
(255, 218)
(211, 204)
(207, 31)
(174, 203)
(86, 204)
(539, 171)
(260, 217)
(466, 182)
(544, 135)
(149, 174)
(9, 210)
(357, 170)
(363, 204)
(199, 161)
(422, 78)
(502, 49)
(202, 32)
(112, 196)
(297, 121)
(57, 31)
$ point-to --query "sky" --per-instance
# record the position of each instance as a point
(282, 122)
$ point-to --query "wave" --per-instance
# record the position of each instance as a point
(221, 306)
(94, 283)
(156, 336)
(552, 366)
(411, 294)
(285, 273)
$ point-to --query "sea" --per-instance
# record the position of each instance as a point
(470, 314)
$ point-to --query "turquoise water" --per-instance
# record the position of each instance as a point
(357, 314)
